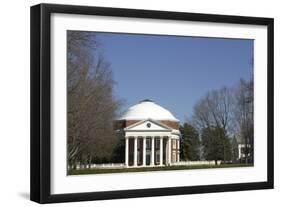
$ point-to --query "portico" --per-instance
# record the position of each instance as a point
(151, 135)
(150, 143)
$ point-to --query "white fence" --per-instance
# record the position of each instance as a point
(212, 162)
(122, 165)
(104, 165)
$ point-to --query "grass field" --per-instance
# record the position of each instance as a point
(147, 169)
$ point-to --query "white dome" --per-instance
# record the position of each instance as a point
(147, 109)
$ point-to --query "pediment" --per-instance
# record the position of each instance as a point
(148, 125)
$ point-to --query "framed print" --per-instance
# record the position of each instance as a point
(132, 103)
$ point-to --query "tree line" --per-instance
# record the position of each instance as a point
(91, 104)
(221, 119)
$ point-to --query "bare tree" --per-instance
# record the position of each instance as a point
(215, 112)
(230, 110)
(92, 105)
(244, 114)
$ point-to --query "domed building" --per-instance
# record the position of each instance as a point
(151, 135)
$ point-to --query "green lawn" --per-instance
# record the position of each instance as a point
(146, 169)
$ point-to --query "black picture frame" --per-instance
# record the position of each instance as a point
(41, 99)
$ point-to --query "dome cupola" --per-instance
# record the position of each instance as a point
(148, 109)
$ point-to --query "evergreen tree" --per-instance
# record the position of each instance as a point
(227, 150)
(234, 149)
(191, 142)
(213, 143)
(118, 155)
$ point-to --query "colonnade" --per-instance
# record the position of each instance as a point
(152, 154)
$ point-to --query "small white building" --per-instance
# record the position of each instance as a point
(151, 135)
(242, 151)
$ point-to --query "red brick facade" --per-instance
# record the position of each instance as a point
(120, 124)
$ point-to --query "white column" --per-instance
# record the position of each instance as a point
(169, 150)
(144, 151)
(135, 151)
(152, 152)
(161, 150)
(178, 150)
(239, 151)
(127, 151)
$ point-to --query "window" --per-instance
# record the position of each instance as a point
(148, 145)
(157, 158)
(157, 143)
(174, 143)
(139, 144)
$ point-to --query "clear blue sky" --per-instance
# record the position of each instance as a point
(174, 71)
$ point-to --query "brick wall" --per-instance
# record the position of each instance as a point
(120, 124)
